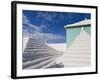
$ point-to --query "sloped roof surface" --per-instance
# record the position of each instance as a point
(79, 53)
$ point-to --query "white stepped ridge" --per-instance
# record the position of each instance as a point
(79, 53)
(42, 64)
(39, 55)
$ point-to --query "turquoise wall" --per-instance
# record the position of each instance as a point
(88, 29)
(73, 32)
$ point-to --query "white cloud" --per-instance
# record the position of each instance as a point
(48, 36)
(46, 16)
(37, 31)
(27, 22)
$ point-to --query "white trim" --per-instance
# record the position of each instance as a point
(80, 23)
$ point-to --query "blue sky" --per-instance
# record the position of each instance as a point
(49, 26)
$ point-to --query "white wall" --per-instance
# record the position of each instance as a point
(59, 47)
(5, 40)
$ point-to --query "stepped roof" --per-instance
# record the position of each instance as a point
(78, 54)
(37, 54)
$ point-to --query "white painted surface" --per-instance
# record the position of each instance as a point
(25, 40)
(79, 53)
(38, 58)
(5, 33)
(58, 46)
(83, 22)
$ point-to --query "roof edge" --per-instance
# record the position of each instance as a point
(76, 26)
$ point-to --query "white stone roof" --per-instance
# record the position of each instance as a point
(83, 22)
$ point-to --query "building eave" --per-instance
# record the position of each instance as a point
(79, 24)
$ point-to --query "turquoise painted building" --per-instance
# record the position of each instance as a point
(73, 30)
